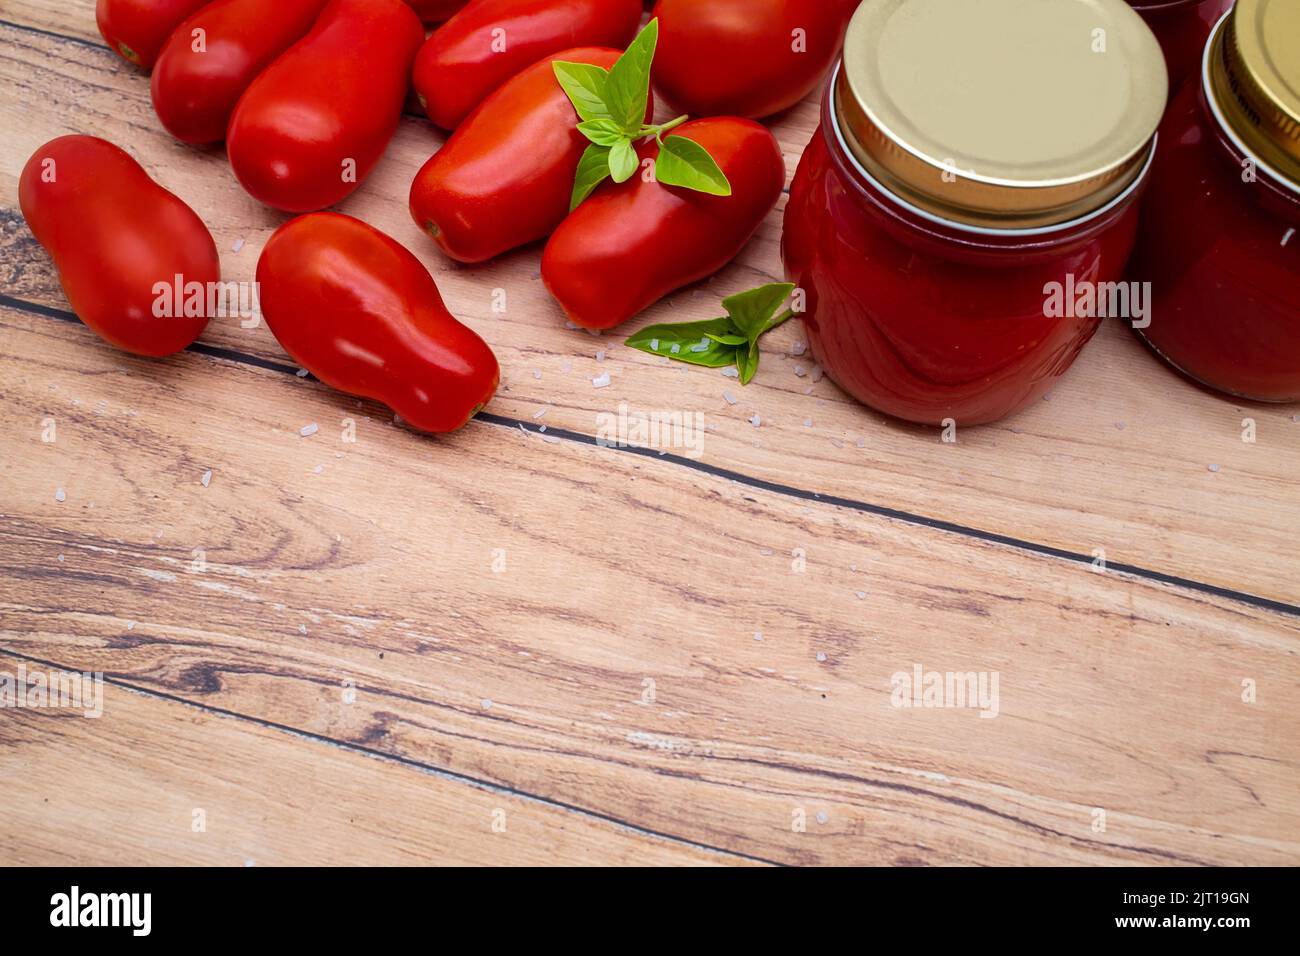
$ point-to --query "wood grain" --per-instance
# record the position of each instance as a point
(154, 781)
(1118, 459)
(672, 659)
(621, 570)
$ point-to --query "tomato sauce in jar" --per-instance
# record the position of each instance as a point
(1220, 234)
(972, 160)
(1182, 27)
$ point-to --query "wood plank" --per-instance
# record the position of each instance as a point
(70, 20)
(153, 781)
(1119, 459)
(326, 562)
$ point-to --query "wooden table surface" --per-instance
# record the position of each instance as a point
(510, 646)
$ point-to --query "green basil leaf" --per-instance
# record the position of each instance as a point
(728, 339)
(747, 362)
(776, 321)
(715, 356)
(584, 84)
(684, 162)
(692, 340)
(718, 343)
(628, 88)
(602, 132)
(753, 312)
(623, 161)
(593, 169)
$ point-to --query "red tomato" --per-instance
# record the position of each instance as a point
(121, 244)
(490, 41)
(198, 80)
(630, 245)
(137, 29)
(358, 311)
(746, 57)
(313, 125)
(505, 177)
(435, 11)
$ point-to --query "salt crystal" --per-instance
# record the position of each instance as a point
(862, 595)
(821, 656)
(1214, 468)
(541, 413)
(731, 372)
(807, 423)
(537, 373)
(600, 356)
(60, 495)
(237, 245)
(756, 421)
(207, 478)
(485, 703)
(800, 371)
(758, 635)
(302, 373)
(731, 399)
(308, 430)
(654, 345)
(601, 381)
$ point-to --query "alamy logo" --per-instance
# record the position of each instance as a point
(58, 689)
(74, 908)
(660, 430)
(1083, 299)
(179, 299)
(922, 688)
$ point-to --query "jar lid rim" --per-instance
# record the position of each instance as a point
(1003, 231)
(1253, 75)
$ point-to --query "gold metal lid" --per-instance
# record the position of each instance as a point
(1001, 113)
(1254, 76)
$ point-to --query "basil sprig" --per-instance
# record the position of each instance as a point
(611, 105)
(719, 343)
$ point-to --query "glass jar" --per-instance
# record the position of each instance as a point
(1220, 234)
(1182, 27)
(932, 222)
